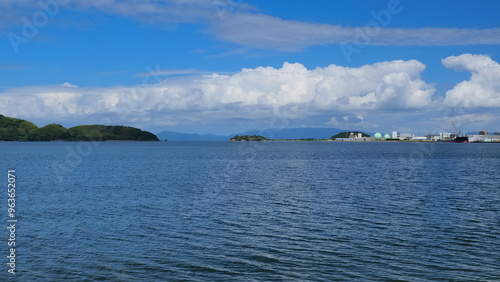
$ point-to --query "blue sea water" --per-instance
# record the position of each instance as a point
(253, 211)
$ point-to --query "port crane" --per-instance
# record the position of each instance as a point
(457, 132)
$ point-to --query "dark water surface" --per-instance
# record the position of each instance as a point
(253, 211)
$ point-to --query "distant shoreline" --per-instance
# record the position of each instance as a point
(351, 141)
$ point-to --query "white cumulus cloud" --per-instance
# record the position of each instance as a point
(251, 94)
(371, 96)
(483, 87)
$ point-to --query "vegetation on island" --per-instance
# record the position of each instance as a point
(349, 134)
(13, 129)
(110, 132)
(249, 138)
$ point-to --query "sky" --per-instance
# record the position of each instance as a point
(227, 66)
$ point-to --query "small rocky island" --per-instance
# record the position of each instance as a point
(13, 129)
(249, 138)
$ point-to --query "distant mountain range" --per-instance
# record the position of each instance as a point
(273, 133)
(177, 136)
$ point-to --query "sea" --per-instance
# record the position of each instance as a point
(250, 211)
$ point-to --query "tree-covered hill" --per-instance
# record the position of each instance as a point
(248, 138)
(107, 132)
(12, 129)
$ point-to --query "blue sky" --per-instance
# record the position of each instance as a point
(227, 66)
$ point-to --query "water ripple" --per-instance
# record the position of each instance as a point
(302, 211)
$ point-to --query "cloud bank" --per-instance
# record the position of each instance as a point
(320, 96)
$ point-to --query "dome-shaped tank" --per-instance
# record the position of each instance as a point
(387, 136)
(377, 136)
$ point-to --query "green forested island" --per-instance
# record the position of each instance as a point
(13, 129)
(249, 138)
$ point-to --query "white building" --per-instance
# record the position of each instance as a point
(435, 137)
(484, 138)
(444, 135)
(405, 136)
